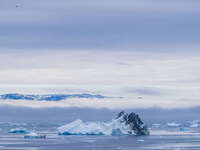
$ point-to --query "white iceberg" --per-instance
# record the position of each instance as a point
(195, 124)
(156, 125)
(140, 140)
(19, 130)
(34, 135)
(124, 124)
(184, 129)
(78, 127)
(173, 124)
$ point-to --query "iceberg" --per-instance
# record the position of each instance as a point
(34, 135)
(156, 125)
(195, 124)
(173, 124)
(124, 124)
(183, 129)
(140, 140)
(19, 130)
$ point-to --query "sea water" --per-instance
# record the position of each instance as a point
(162, 138)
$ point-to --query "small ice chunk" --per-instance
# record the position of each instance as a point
(33, 135)
(156, 125)
(195, 125)
(19, 130)
(183, 129)
(140, 140)
(173, 124)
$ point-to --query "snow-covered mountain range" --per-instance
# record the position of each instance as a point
(48, 97)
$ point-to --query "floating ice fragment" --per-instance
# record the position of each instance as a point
(140, 140)
(183, 129)
(195, 124)
(156, 125)
(173, 124)
(19, 130)
(33, 135)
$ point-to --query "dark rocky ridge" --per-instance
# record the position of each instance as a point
(134, 122)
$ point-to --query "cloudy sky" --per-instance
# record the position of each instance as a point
(105, 24)
(129, 48)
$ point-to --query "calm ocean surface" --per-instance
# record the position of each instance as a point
(160, 139)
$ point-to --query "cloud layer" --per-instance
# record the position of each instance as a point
(161, 79)
(101, 24)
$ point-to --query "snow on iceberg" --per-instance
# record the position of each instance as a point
(19, 130)
(124, 124)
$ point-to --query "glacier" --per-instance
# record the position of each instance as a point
(124, 124)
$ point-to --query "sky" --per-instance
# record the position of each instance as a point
(130, 48)
(105, 24)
